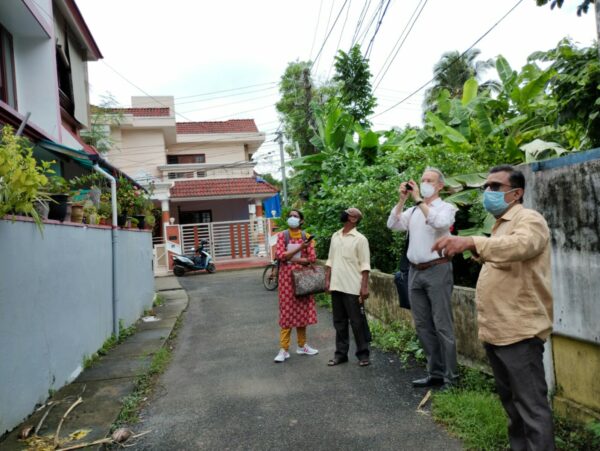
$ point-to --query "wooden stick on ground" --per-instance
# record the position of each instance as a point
(424, 401)
(75, 404)
(100, 442)
(39, 425)
(141, 434)
(85, 445)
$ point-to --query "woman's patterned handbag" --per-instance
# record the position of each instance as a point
(308, 280)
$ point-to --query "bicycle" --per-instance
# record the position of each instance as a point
(271, 276)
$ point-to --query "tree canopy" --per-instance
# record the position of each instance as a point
(452, 71)
(546, 108)
(582, 8)
(353, 76)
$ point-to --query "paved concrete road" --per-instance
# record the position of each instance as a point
(224, 392)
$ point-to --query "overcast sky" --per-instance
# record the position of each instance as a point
(188, 48)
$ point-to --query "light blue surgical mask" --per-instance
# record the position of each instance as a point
(494, 203)
(293, 222)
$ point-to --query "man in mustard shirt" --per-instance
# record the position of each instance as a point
(514, 305)
(347, 278)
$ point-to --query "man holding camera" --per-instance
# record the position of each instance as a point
(430, 278)
(514, 305)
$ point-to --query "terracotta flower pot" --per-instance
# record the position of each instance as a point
(77, 213)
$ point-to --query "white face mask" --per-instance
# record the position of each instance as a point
(427, 190)
(293, 222)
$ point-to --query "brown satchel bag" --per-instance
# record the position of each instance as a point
(308, 280)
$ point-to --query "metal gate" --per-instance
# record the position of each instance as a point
(161, 262)
(228, 239)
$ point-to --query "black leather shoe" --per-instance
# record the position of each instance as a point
(428, 381)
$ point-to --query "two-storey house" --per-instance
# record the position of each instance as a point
(45, 46)
(202, 173)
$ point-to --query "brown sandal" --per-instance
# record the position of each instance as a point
(336, 361)
(364, 362)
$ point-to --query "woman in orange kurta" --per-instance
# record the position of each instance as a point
(294, 250)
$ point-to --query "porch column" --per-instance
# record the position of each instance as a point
(260, 229)
(174, 242)
(166, 214)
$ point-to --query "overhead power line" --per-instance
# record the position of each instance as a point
(340, 39)
(400, 41)
(226, 96)
(229, 103)
(424, 85)
(373, 18)
(370, 46)
(316, 29)
(329, 33)
(226, 90)
(141, 90)
(359, 22)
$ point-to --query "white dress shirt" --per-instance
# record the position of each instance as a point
(423, 231)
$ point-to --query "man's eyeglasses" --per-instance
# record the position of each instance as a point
(494, 186)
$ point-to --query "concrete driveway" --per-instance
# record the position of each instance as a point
(223, 391)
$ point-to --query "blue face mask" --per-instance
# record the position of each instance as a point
(494, 203)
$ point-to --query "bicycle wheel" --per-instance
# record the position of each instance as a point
(270, 277)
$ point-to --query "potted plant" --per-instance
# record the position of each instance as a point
(22, 180)
(105, 209)
(150, 221)
(58, 190)
(77, 213)
(90, 212)
(126, 199)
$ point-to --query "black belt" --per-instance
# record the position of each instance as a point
(427, 265)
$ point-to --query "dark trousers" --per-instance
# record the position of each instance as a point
(520, 381)
(347, 308)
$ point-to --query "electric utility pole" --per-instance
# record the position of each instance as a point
(307, 99)
(283, 179)
(597, 8)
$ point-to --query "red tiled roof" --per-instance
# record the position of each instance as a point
(230, 126)
(220, 187)
(143, 112)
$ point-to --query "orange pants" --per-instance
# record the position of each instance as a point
(285, 334)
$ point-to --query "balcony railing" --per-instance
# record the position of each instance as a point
(206, 171)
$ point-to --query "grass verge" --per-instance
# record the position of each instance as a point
(472, 410)
(143, 386)
(323, 300)
(144, 383)
(159, 300)
(572, 436)
(473, 413)
(476, 417)
(109, 343)
(398, 337)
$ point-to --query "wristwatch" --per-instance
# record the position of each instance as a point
(419, 202)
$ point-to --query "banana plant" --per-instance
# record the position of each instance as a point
(467, 196)
(528, 108)
(541, 150)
